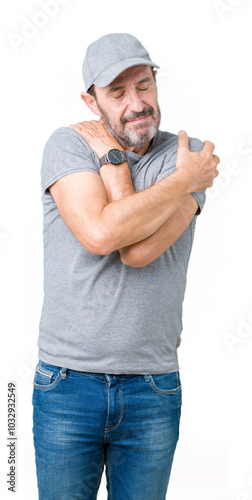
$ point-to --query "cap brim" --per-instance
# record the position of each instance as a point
(113, 71)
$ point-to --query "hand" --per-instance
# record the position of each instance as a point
(97, 136)
(200, 167)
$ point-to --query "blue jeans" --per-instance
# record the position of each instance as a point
(83, 421)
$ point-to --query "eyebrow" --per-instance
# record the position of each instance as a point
(120, 87)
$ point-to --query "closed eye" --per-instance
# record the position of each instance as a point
(119, 96)
(122, 94)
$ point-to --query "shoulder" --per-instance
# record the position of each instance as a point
(66, 139)
(195, 144)
(169, 141)
(66, 152)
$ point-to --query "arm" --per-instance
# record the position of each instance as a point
(144, 252)
(102, 227)
(118, 184)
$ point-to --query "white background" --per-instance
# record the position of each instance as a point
(204, 52)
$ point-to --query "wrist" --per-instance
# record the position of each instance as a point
(184, 182)
(112, 167)
(114, 156)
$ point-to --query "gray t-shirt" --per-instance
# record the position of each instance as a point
(100, 315)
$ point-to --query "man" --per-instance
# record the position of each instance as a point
(120, 202)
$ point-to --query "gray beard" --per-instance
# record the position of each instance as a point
(130, 137)
(133, 139)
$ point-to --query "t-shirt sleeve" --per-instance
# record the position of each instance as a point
(66, 152)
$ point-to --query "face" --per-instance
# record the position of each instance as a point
(129, 107)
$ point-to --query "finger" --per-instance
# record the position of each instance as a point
(183, 141)
(209, 147)
(94, 122)
(216, 159)
(74, 127)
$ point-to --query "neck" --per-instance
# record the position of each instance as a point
(142, 150)
(139, 150)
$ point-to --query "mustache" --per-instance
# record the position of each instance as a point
(148, 110)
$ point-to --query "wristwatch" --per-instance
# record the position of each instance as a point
(114, 156)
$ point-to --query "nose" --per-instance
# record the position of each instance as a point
(135, 101)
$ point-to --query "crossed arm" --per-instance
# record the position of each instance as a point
(145, 251)
(105, 213)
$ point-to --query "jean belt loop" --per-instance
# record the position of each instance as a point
(63, 372)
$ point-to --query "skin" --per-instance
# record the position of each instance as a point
(127, 107)
(104, 212)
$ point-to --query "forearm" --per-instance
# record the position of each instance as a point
(118, 184)
(117, 181)
(146, 251)
(136, 216)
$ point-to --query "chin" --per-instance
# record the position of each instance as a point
(137, 139)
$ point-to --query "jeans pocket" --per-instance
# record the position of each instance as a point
(47, 377)
(166, 383)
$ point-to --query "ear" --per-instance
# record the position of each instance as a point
(90, 102)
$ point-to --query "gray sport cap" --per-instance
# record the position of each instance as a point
(110, 55)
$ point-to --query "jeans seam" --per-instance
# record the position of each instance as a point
(164, 392)
(45, 388)
(42, 371)
(110, 479)
(121, 411)
(100, 476)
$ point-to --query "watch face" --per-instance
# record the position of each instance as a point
(115, 156)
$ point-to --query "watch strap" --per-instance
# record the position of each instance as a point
(103, 159)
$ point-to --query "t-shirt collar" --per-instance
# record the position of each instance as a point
(132, 154)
